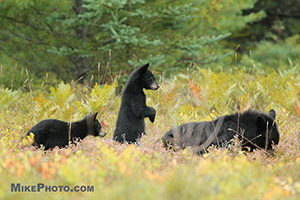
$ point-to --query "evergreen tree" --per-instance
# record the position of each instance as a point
(70, 38)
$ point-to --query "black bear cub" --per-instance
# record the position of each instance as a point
(52, 132)
(130, 124)
(254, 129)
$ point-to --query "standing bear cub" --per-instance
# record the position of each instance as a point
(255, 130)
(52, 132)
(130, 124)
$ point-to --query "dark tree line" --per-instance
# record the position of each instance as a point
(71, 39)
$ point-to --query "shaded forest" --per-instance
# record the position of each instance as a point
(96, 40)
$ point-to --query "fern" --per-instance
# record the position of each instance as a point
(98, 99)
(9, 98)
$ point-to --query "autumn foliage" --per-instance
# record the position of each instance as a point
(147, 170)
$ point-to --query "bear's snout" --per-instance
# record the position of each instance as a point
(102, 133)
(154, 86)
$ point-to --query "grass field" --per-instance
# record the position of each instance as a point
(99, 168)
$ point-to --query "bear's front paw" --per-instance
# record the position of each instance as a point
(152, 118)
(151, 114)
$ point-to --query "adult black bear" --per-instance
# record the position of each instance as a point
(52, 132)
(254, 129)
(130, 124)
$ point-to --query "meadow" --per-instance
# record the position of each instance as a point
(103, 169)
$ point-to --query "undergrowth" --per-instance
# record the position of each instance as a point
(147, 170)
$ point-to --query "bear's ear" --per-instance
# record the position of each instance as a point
(272, 113)
(90, 114)
(91, 117)
(144, 68)
(90, 120)
(95, 115)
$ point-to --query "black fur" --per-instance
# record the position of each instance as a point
(251, 127)
(52, 132)
(130, 124)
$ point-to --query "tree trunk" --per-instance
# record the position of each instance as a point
(82, 63)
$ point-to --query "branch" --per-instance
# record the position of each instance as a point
(271, 13)
(22, 60)
(21, 22)
(25, 38)
(297, 16)
(36, 10)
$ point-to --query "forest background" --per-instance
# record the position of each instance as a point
(102, 39)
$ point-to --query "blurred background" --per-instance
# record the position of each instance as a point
(98, 40)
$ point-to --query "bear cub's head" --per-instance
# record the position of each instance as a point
(267, 127)
(148, 79)
(94, 126)
(263, 132)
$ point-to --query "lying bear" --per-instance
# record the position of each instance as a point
(52, 132)
(255, 130)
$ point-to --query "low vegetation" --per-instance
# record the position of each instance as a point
(148, 171)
